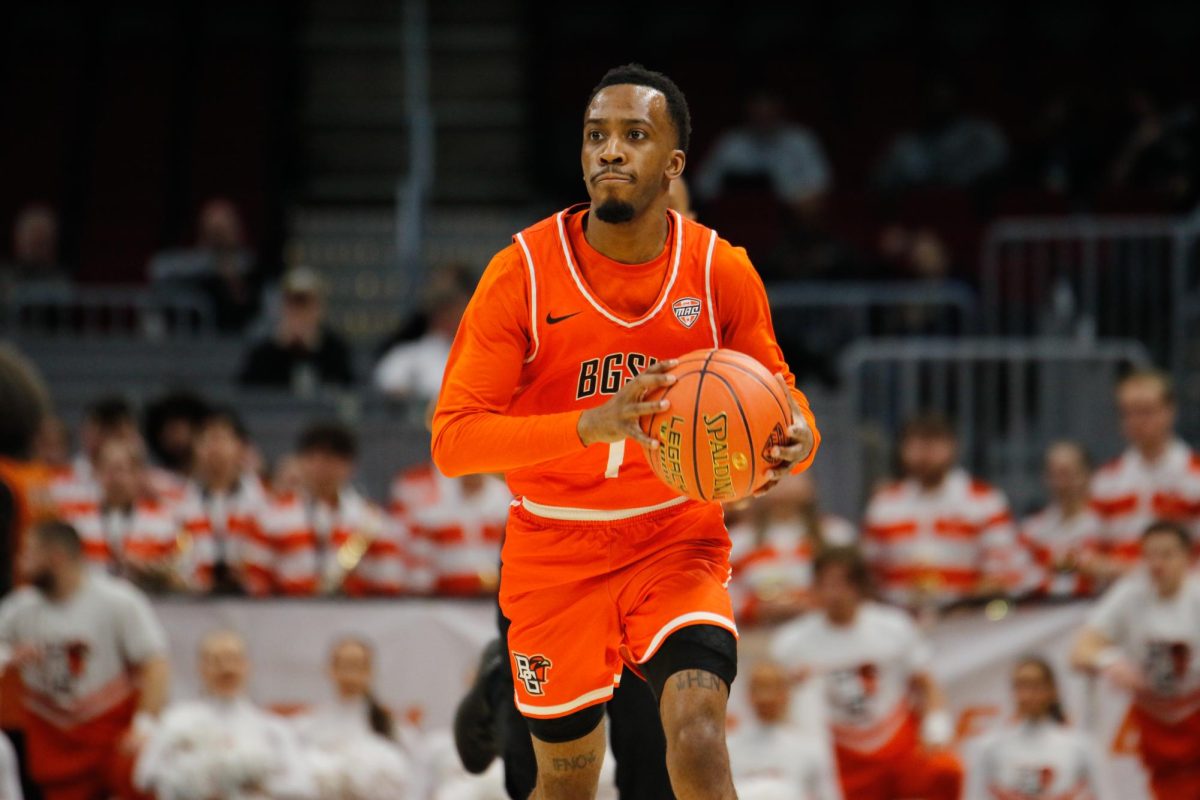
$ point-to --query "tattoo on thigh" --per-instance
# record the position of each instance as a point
(698, 679)
(581, 761)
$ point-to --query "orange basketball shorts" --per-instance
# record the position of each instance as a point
(584, 597)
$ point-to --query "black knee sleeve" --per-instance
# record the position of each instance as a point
(704, 647)
(569, 728)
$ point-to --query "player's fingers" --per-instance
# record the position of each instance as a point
(636, 410)
(660, 366)
(640, 436)
(766, 487)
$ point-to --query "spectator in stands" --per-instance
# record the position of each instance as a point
(413, 370)
(938, 535)
(303, 353)
(326, 538)
(285, 477)
(1143, 638)
(169, 425)
(1157, 477)
(679, 198)
(133, 533)
(222, 745)
(230, 497)
(1062, 538)
(34, 259)
(1038, 755)
(771, 758)
(106, 419)
(350, 744)
(93, 661)
(52, 445)
(773, 549)
(887, 717)
(441, 280)
(1161, 149)
(766, 145)
(456, 526)
(949, 148)
(220, 267)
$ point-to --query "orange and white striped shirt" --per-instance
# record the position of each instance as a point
(456, 525)
(1055, 542)
(776, 561)
(303, 546)
(232, 518)
(1129, 493)
(151, 532)
(938, 545)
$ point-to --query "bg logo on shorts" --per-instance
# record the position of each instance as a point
(531, 671)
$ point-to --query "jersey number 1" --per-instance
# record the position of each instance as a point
(616, 454)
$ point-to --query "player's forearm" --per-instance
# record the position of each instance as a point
(1091, 650)
(466, 443)
(154, 680)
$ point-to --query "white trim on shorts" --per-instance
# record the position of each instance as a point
(595, 514)
(588, 698)
(681, 621)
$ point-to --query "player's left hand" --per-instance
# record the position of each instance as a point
(799, 443)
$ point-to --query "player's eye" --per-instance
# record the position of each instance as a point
(594, 136)
(637, 135)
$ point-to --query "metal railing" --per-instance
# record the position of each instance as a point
(1098, 277)
(112, 311)
(412, 193)
(1008, 397)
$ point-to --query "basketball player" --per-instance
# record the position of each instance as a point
(602, 563)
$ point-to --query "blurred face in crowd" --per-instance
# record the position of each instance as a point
(301, 317)
(1147, 416)
(35, 237)
(52, 445)
(223, 664)
(928, 457)
(447, 312)
(350, 669)
(629, 152)
(323, 474)
(680, 199)
(1067, 473)
(1033, 690)
(94, 434)
(43, 564)
(119, 473)
(220, 453)
(837, 593)
(177, 439)
(287, 476)
(769, 693)
(1167, 561)
(220, 226)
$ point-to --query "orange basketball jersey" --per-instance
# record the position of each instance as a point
(538, 345)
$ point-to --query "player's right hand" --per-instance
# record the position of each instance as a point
(619, 418)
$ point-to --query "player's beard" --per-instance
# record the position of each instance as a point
(615, 211)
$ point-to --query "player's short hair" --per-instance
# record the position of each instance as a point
(848, 558)
(227, 417)
(1169, 527)
(637, 75)
(59, 534)
(110, 411)
(928, 425)
(332, 438)
(1150, 375)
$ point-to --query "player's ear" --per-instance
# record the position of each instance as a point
(676, 164)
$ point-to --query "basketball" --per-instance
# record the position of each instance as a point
(727, 412)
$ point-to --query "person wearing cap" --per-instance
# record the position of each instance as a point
(303, 352)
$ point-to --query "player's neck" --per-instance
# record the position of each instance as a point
(634, 242)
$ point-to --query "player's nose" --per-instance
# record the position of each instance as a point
(612, 153)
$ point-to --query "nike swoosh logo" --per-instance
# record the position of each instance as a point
(552, 320)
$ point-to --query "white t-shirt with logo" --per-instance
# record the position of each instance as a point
(1043, 759)
(766, 759)
(865, 670)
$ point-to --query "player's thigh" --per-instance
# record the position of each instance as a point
(570, 770)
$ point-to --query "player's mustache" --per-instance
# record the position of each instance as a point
(610, 171)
